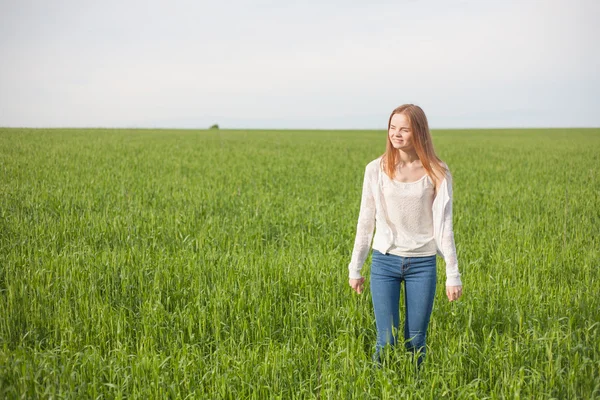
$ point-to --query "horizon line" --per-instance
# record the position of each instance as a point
(288, 129)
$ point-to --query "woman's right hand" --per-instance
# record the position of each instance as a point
(357, 284)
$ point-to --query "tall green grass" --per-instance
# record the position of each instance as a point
(213, 264)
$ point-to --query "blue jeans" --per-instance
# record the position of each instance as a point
(388, 271)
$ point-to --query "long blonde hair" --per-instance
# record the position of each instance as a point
(421, 141)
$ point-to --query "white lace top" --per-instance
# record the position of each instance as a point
(410, 216)
(373, 217)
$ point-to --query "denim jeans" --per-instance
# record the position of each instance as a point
(388, 271)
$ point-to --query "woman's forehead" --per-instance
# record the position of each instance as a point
(400, 120)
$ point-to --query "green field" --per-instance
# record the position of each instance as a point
(213, 264)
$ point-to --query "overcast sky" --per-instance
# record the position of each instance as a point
(304, 64)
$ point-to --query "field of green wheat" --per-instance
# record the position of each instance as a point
(213, 265)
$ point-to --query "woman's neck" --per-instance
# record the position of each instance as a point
(408, 157)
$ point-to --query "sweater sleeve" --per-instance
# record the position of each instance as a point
(449, 247)
(364, 227)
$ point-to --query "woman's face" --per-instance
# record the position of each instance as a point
(400, 132)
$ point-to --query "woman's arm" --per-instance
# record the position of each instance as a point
(453, 282)
(365, 225)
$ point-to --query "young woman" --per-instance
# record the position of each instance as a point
(407, 199)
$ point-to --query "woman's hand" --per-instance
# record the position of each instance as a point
(453, 292)
(357, 284)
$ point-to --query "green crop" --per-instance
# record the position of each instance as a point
(213, 264)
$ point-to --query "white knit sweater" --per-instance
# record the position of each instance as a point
(372, 216)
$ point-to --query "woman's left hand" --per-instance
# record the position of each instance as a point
(453, 292)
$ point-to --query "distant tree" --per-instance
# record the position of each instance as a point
(215, 126)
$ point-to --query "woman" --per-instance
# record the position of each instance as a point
(407, 199)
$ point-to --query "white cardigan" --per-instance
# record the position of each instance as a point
(373, 215)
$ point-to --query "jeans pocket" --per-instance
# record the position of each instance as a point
(378, 257)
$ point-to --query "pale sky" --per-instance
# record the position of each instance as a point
(305, 64)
